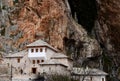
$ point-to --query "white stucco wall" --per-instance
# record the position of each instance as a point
(66, 62)
(26, 63)
(35, 54)
(49, 53)
(46, 53)
(13, 64)
(53, 69)
(13, 61)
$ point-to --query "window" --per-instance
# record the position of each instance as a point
(102, 79)
(34, 70)
(18, 60)
(36, 50)
(38, 61)
(41, 50)
(33, 61)
(42, 60)
(32, 50)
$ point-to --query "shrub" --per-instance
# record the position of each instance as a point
(54, 77)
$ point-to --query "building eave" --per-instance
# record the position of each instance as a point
(43, 46)
(14, 57)
(61, 58)
(54, 64)
(40, 43)
(89, 74)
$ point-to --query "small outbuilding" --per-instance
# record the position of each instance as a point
(88, 74)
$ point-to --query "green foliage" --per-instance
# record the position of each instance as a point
(15, 1)
(69, 52)
(107, 63)
(1, 49)
(4, 7)
(0, 9)
(57, 77)
(107, 60)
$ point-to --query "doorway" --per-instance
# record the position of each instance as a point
(34, 70)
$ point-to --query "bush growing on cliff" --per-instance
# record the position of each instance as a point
(54, 77)
(57, 77)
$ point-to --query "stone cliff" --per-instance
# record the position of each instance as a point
(108, 34)
(50, 20)
(79, 28)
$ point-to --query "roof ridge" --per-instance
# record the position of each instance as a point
(40, 43)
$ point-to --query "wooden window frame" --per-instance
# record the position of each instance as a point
(32, 50)
(38, 61)
(18, 60)
(103, 79)
(36, 49)
(34, 70)
(42, 60)
(33, 61)
(41, 50)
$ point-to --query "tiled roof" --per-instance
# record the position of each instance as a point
(88, 71)
(18, 54)
(52, 62)
(41, 43)
(59, 55)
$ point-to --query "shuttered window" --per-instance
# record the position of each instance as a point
(33, 61)
(18, 60)
(32, 50)
(38, 61)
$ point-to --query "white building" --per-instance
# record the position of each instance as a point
(88, 74)
(38, 58)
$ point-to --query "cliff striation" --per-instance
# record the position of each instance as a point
(108, 33)
(86, 30)
(26, 21)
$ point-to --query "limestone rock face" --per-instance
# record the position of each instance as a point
(108, 23)
(24, 21)
(50, 20)
(108, 33)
